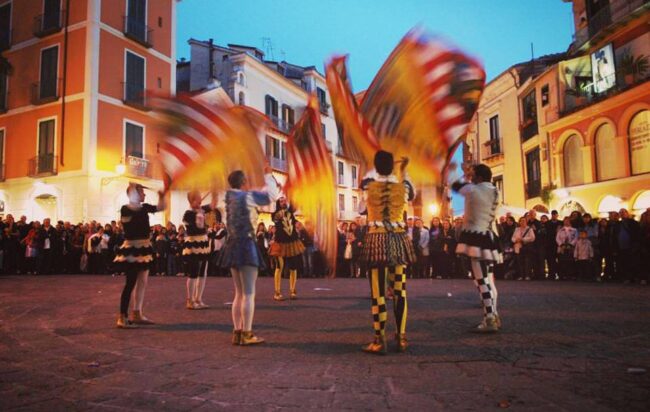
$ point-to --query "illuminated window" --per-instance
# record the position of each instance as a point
(639, 135)
(573, 165)
(609, 163)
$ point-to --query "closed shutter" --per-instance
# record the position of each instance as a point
(52, 14)
(134, 78)
(49, 66)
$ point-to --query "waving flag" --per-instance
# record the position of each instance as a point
(419, 104)
(205, 141)
(310, 184)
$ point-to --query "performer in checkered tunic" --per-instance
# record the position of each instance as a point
(386, 248)
(196, 248)
(135, 255)
(286, 248)
(477, 239)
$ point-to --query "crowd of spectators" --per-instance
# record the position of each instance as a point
(575, 247)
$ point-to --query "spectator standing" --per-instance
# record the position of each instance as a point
(644, 228)
(436, 246)
(33, 243)
(421, 246)
(307, 239)
(161, 247)
(537, 250)
(628, 247)
(583, 254)
(566, 239)
(261, 236)
(552, 226)
(523, 240)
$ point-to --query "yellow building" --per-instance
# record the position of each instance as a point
(574, 134)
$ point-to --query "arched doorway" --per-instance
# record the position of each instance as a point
(608, 204)
(571, 206)
(45, 206)
(573, 165)
(641, 203)
(639, 133)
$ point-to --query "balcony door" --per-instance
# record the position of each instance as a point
(134, 78)
(46, 137)
(51, 14)
(133, 140)
(137, 18)
(49, 73)
(533, 173)
(5, 26)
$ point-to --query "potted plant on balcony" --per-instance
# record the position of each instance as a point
(633, 68)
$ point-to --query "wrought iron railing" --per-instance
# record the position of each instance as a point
(134, 95)
(48, 23)
(281, 124)
(138, 31)
(324, 107)
(42, 165)
(616, 11)
(278, 164)
(491, 148)
(45, 92)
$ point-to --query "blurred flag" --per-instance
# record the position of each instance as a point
(418, 105)
(206, 140)
(310, 184)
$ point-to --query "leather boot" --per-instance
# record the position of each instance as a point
(236, 337)
(376, 347)
(401, 341)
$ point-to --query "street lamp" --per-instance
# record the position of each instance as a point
(433, 209)
(120, 169)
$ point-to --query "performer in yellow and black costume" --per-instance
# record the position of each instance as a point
(386, 248)
(287, 248)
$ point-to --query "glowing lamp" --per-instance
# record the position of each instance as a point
(120, 168)
(433, 209)
(562, 193)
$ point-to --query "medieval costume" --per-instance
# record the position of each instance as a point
(241, 254)
(386, 248)
(135, 254)
(196, 249)
(287, 248)
(479, 242)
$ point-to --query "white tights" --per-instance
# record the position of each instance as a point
(243, 306)
(140, 287)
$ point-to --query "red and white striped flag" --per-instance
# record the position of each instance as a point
(310, 184)
(205, 141)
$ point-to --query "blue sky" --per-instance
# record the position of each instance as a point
(498, 32)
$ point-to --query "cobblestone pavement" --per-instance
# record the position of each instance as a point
(564, 347)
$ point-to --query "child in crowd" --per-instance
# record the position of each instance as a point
(583, 254)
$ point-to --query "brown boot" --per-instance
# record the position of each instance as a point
(402, 343)
(236, 337)
(376, 347)
(140, 319)
(489, 325)
(123, 322)
(247, 338)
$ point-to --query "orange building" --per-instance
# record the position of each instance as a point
(74, 121)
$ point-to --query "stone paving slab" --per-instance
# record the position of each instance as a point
(564, 347)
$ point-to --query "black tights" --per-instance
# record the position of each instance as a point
(131, 279)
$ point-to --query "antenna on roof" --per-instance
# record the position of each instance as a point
(267, 45)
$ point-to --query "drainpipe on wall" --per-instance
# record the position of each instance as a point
(65, 76)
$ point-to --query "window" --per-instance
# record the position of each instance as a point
(498, 183)
(133, 140)
(545, 95)
(49, 73)
(322, 97)
(136, 20)
(159, 21)
(355, 203)
(341, 202)
(528, 108)
(494, 127)
(159, 83)
(5, 26)
(323, 130)
(573, 165)
(283, 151)
(2, 154)
(240, 78)
(46, 135)
(242, 99)
(276, 149)
(533, 174)
(134, 79)
(608, 156)
(354, 176)
(639, 140)
(341, 174)
(271, 107)
(287, 116)
(3, 91)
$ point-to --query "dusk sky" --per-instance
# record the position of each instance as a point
(498, 32)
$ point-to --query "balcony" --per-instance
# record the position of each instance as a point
(616, 11)
(49, 23)
(492, 148)
(281, 124)
(528, 130)
(533, 189)
(137, 31)
(5, 40)
(42, 165)
(278, 164)
(46, 92)
(135, 96)
(575, 100)
(138, 167)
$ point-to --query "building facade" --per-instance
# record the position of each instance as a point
(280, 91)
(75, 126)
(581, 140)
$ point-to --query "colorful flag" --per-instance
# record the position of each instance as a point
(310, 184)
(418, 106)
(205, 141)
